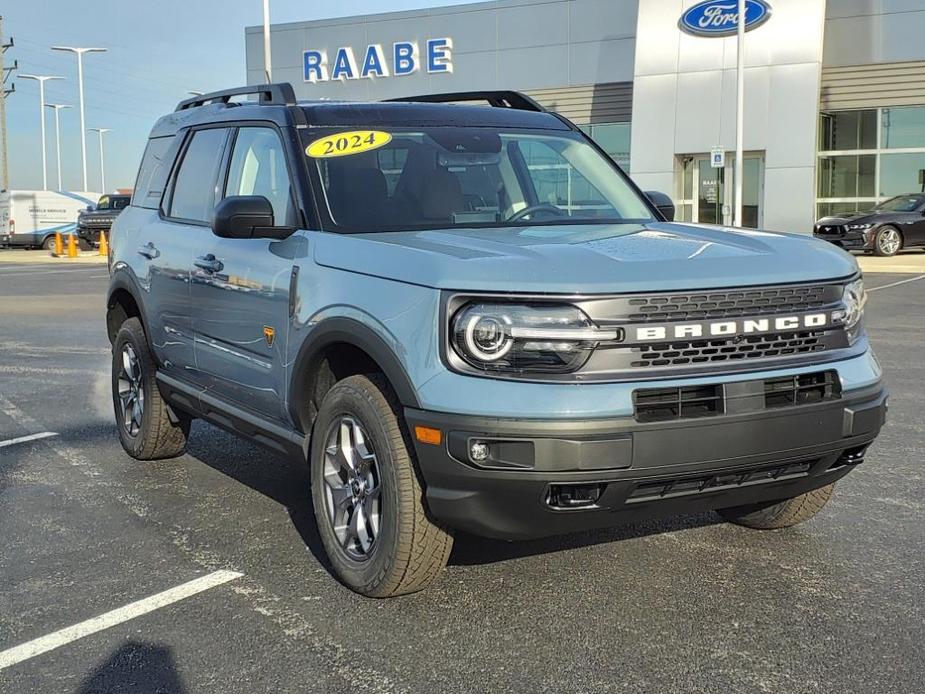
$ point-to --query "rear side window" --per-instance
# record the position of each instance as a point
(152, 175)
(193, 195)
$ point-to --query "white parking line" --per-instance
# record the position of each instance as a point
(30, 437)
(896, 284)
(59, 638)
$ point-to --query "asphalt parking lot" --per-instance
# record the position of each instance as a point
(686, 604)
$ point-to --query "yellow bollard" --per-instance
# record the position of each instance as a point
(59, 244)
(71, 245)
(104, 246)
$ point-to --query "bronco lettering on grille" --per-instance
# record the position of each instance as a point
(746, 326)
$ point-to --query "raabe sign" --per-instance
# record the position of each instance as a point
(720, 17)
(404, 58)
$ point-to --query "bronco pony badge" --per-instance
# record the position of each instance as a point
(268, 335)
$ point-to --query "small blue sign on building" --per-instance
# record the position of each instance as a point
(720, 17)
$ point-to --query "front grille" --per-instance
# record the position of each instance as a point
(690, 402)
(802, 389)
(729, 304)
(661, 404)
(738, 348)
(829, 230)
(703, 484)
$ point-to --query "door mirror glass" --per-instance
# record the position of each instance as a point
(663, 203)
(246, 217)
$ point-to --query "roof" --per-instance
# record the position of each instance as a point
(277, 104)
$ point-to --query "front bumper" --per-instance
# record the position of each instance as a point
(862, 240)
(639, 470)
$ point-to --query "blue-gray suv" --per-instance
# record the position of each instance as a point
(468, 318)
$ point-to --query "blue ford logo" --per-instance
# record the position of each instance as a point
(719, 17)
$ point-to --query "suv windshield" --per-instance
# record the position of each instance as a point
(901, 203)
(443, 177)
(114, 202)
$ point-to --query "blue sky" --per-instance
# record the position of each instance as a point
(157, 52)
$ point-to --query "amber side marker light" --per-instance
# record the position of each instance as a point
(428, 435)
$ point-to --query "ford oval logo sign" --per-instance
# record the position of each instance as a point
(720, 17)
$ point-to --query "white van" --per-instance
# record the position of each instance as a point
(35, 216)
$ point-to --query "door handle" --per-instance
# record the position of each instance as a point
(209, 263)
(149, 251)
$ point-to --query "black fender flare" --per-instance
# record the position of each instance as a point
(352, 332)
(123, 280)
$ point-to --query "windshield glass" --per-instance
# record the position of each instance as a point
(444, 177)
(901, 203)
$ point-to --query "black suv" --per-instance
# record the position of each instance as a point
(94, 220)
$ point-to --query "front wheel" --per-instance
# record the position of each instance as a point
(147, 429)
(888, 242)
(367, 499)
(780, 514)
(49, 243)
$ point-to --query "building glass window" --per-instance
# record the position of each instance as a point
(902, 127)
(902, 173)
(847, 176)
(613, 138)
(867, 156)
(847, 130)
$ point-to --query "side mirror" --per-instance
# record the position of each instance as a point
(246, 217)
(89, 208)
(663, 203)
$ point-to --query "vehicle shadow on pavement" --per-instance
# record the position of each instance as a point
(470, 550)
(141, 668)
(286, 481)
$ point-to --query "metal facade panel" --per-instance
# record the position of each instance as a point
(597, 103)
(869, 86)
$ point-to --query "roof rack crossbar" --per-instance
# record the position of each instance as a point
(498, 99)
(277, 94)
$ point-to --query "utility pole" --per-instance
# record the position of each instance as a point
(56, 108)
(100, 131)
(42, 79)
(79, 52)
(5, 73)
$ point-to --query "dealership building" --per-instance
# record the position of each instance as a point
(834, 91)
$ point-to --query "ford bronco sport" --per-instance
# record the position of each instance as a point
(468, 318)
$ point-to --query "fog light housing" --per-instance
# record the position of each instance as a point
(479, 451)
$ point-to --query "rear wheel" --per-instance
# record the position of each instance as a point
(780, 514)
(367, 499)
(888, 242)
(146, 429)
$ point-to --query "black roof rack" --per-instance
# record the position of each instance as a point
(498, 99)
(278, 94)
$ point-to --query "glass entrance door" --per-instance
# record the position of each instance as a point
(708, 194)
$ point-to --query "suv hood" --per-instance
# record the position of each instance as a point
(583, 259)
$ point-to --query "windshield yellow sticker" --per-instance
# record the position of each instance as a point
(345, 144)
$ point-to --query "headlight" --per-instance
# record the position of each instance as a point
(517, 337)
(854, 297)
(859, 227)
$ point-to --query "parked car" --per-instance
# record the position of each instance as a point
(36, 215)
(885, 229)
(452, 344)
(99, 218)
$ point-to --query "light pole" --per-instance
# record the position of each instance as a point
(56, 108)
(102, 164)
(42, 79)
(740, 113)
(266, 41)
(79, 52)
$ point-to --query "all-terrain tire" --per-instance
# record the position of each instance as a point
(158, 436)
(781, 514)
(410, 550)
